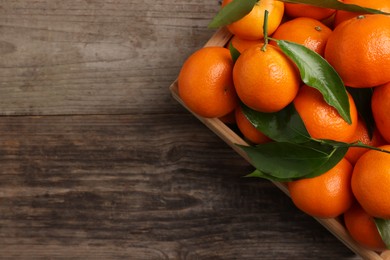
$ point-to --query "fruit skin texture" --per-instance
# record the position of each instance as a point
(341, 16)
(371, 182)
(380, 104)
(322, 121)
(205, 82)
(326, 196)
(359, 50)
(361, 134)
(266, 81)
(247, 129)
(362, 228)
(306, 31)
(303, 10)
(250, 27)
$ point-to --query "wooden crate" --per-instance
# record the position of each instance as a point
(220, 38)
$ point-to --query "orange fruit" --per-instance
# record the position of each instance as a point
(359, 50)
(322, 121)
(362, 228)
(341, 16)
(248, 130)
(242, 44)
(265, 81)
(326, 196)
(304, 10)
(205, 82)
(306, 31)
(380, 104)
(371, 182)
(251, 26)
(361, 134)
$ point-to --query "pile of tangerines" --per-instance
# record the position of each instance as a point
(212, 84)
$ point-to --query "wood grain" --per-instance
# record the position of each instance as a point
(91, 186)
(95, 57)
(98, 161)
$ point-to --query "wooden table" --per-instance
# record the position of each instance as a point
(98, 161)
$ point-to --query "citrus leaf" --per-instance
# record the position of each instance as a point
(234, 52)
(336, 155)
(284, 126)
(335, 4)
(232, 12)
(362, 98)
(340, 149)
(259, 174)
(316, 72)
(383, 226)
(284, 160)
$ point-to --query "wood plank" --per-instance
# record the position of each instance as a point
(93, 187)
(94, 56)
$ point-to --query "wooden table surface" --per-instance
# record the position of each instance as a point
(98, 161)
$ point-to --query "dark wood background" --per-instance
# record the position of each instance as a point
(98, 161)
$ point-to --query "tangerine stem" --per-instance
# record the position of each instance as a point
(361, 145)
(265, 30)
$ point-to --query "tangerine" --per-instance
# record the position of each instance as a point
(359, 50)
(380, 104)
(304, 10)
(322, 121)
(247, 129)
(205, 82)
(265, 80)
(362, 228)
(371, 182)
(306, 31)
(341, 15)
(250, 27)
(361, 134)
(242, 44)
(325, 196)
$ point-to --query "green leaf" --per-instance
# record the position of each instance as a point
(284, 126)
(234, 52)
(259, 174)
(383, 226)
(284, 161)
(232, 12)
(316, 72)
(336, 154)
(335, 4)
(362, 98)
